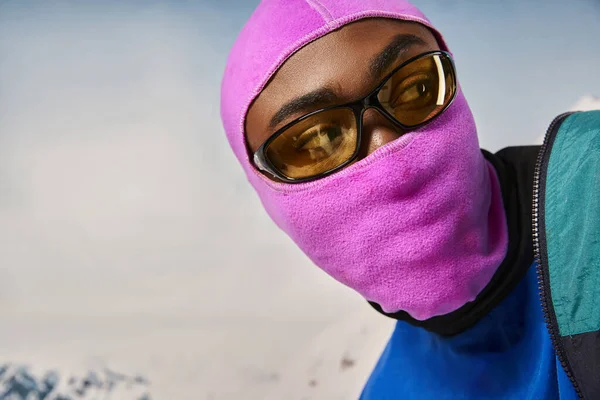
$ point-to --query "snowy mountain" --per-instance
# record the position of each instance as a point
(19, 382)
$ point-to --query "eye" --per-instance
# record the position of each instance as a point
(319, 141)
(413, 90)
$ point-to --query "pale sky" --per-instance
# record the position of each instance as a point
(119, 194)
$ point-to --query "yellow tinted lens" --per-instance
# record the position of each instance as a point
(420, 90)
(315, 145)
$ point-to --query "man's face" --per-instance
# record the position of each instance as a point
(417, 225)
(342, 66)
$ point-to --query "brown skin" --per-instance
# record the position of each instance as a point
(340, 61)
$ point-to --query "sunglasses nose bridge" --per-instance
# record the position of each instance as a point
(370, 101)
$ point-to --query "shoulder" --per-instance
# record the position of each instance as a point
(567, 226)
(569, 169)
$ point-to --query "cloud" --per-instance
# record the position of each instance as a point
(585, 103)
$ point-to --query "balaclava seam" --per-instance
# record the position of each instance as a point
(321, 9)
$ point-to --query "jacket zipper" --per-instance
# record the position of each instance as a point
(539, 252)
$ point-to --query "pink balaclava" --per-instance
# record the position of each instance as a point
(416, 226)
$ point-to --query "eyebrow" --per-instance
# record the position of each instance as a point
(304, 103)
(388, 56)
(326, 96)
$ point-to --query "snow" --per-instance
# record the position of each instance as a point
(335, 363)
(184, 356)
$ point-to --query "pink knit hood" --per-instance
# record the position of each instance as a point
(416, 226)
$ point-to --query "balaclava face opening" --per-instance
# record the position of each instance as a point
(416, 226)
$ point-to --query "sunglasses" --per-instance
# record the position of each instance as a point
(326, 140)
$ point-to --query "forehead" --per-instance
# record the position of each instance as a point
(339, 60)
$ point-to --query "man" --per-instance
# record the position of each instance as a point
(349, 121)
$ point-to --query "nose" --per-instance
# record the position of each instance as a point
(377, 131)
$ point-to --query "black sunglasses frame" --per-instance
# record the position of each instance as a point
(358, 107)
